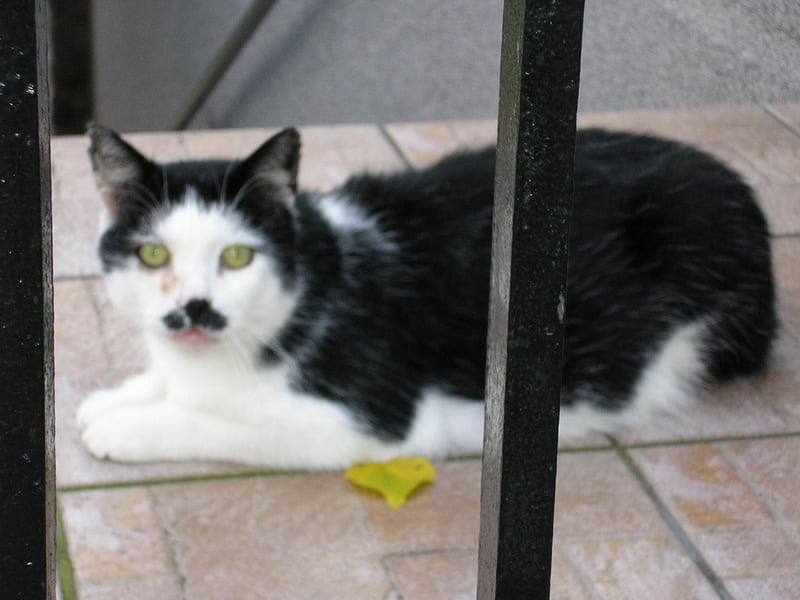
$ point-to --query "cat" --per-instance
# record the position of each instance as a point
(295, 329)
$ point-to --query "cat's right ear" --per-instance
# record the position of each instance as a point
(118, 168)
(276, 161)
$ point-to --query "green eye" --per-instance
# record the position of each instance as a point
(237, 257)
(153, 255)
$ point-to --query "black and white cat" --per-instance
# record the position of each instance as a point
(294, 329)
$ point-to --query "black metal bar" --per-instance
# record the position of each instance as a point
(234, 43)
(27, 461)
(71, 68)
(533, 201)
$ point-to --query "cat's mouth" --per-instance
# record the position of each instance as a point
(193, 335)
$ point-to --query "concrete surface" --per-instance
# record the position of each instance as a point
(350, 61)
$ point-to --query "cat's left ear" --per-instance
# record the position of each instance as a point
(276, 161)
(118, 167)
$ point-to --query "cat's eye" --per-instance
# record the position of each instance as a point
(237, 256)
(153, 255)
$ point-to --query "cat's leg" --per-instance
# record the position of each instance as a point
(175, 431)
(144, 388)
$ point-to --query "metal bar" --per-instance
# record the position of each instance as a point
(533, 201)
(27, 461)
(71, 70)
(234, 43)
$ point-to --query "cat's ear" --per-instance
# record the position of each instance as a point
(276, 161)
(118, 167)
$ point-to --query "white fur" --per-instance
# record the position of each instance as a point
(347, 218)
(252, 299)
(343, 215)
(666, 385)
(207, 408)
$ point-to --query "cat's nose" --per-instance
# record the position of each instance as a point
(198, 312)
(202, 314)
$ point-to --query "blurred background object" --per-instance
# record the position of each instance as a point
(344, 61)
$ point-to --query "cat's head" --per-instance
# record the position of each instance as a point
(199, 252)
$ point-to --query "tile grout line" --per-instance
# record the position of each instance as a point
(674, 526)
(78, 277)
(189, 479)
(169, 541)
(704, 440)
(585, 581)
(614, 445)
(394, 145)
(775, 115)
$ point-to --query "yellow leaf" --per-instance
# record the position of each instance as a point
(395, 480)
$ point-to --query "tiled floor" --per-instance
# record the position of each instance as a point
(702, 507)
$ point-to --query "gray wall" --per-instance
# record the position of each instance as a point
(338, 61)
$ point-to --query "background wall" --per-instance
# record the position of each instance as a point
(335, 61)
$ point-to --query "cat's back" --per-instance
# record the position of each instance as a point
(663, 236)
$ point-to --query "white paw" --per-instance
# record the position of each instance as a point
(95, 405)
(142, 389)
(126, 434)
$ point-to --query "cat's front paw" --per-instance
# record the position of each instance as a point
(124, 434)
(95, 405)
(141, 389)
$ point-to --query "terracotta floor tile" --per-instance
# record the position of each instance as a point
(652, 567)
(441, 516)
(152, 587)
(121, 338)
(76, 208)
(772, 468)
(81, 366)
(449, 575)
(789, 112)
(696, 124)
(766, 588)
(224, 143)
(328, 155)
(749, 551)
(596, 495)
(475, 133)
(778, 386)
(777, 158)
(424, 143)
(738, 160)
(567, 583)
(589, 440)
(789, 308)
(115, 538)
(729, 409)
(79, 351)
(786, 263)
(322, 167)
(360, 147)
(781, 204)
(278, 537)
(700, 488)
(159, 146)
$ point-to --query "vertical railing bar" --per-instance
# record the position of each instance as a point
(27, 460)
(533, 200)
